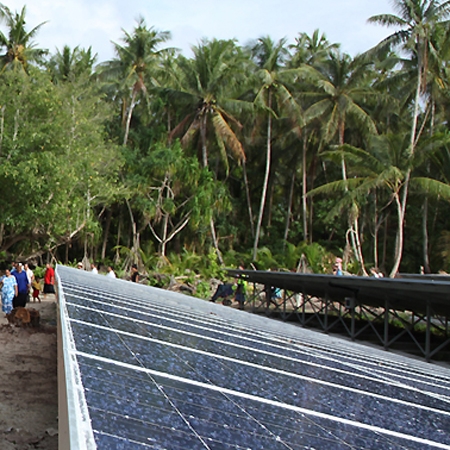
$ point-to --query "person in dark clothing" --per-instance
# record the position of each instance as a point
(134, 274)
(23, 287)
(223, 291)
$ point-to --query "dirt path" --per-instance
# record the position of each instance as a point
(28, 382)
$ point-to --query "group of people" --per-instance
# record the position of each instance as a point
(19, 282)
(110, 271)
(337, 269)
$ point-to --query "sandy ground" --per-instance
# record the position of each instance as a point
(28, 382)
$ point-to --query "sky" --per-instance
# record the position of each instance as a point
(98, 23)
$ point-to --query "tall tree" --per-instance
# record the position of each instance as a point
(18, 45)
(208, 89)
(273, 97)
(135, 67)
(417, 20)
(68, 64)
(342, 90)
(310, 51)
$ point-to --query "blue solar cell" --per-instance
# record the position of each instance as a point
(162, 370)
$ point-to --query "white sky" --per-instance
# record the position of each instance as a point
(98, 22)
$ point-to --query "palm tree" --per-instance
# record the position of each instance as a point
(274, 97)
(136, 65)
(379, 172)
(68, 65)
(311, 50)
(207, 88)
(18, 45)
(308, 51)
(417, 20)
(342, 90)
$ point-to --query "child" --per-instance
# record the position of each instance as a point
(36, 289)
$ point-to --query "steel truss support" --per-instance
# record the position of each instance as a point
(428, 333)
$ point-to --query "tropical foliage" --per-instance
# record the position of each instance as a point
(267, 155)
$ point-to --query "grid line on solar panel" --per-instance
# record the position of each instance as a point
(362, 406)
(264, 401)
(273, 370)
(194, 406)
(283, 421)
(191, 414)
(443, 398)
(344, 353)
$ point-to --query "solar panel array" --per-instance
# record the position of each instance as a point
(161, 370)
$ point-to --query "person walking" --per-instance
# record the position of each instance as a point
(9, 291)
(23, 287)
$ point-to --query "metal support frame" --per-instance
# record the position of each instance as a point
(428, 333)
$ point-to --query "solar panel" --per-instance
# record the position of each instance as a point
(160, 370)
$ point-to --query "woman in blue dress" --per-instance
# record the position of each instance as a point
(9, 291)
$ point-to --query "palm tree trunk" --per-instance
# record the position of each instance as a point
(164, 235)
(249, 204)
(375, 231)
(425, 244)
(426, 258)
(289, 209)
(399, 237)
(136, 244)
(404, 197)
(205, 165)
(106, 233)
(304, 191)
(203, 135)
(353, 219)
(130, 113)
(266, 179)
(215, 241)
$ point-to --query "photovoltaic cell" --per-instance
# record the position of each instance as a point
(161, 370)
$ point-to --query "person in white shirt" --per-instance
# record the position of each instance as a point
(110, 273)
(29, 273)
(94, 268)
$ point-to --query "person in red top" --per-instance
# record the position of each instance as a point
(49, 280)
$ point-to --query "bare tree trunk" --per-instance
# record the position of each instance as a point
(2, 127)
(425, 243)
(106, 233)
(426, 258)
(404, 196)
(304, 191)
(249, 204)
(215, 241)
(375, 231)
(130, 113)
(266, 179)
(289, 210)
(165, 223)
(270, 209)
(205, 164)
(399, 237)
(135, 258)
(353, 222)
(203, 135)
